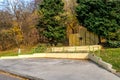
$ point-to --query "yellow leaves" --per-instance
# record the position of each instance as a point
(71, 24)
(16, 31)
(57, 18)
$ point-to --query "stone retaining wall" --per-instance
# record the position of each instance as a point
(51, 55)
(76, 48)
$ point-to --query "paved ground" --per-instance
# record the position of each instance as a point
(57, 69)
(4, 76)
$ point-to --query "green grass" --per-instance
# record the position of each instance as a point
(112, 56)
(24, 50)
(7, 53)
(14, 52)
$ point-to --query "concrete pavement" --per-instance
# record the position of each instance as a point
(56, 69)
(6, 76)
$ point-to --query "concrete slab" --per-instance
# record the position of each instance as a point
(4, 77)
(56, 69)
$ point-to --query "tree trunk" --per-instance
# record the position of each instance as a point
(99, 39)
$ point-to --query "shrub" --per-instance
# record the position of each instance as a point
(40, 48)
(113, 44)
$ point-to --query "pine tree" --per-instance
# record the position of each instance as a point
(51, 20)
(100, 16)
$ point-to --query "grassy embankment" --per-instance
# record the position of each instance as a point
(14, 52)
(39, 48)
(112, 56)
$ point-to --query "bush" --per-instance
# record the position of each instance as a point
(113, 44)
(40, 48)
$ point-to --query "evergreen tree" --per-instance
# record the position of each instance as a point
(51, 21)
(100, 16)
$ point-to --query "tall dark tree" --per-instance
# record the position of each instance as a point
(99, 16)
(51, 20)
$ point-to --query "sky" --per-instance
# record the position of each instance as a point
(3, 3)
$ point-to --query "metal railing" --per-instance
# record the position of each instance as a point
(82, 49)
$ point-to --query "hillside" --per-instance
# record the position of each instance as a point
(27, 24)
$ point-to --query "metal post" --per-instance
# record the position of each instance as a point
(19, 51)
(75, 49)
(93, 50)
(63, 49)
(89, 48)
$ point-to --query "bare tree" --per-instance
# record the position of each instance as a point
(22, 15)
(5, 25)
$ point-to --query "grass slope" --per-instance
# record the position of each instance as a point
(14, 52)
(112, 56)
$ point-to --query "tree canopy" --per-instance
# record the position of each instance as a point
(100, 16)
(51, 20)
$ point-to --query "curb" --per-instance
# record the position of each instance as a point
(103, 64)
(51, 55)
(118, 74)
